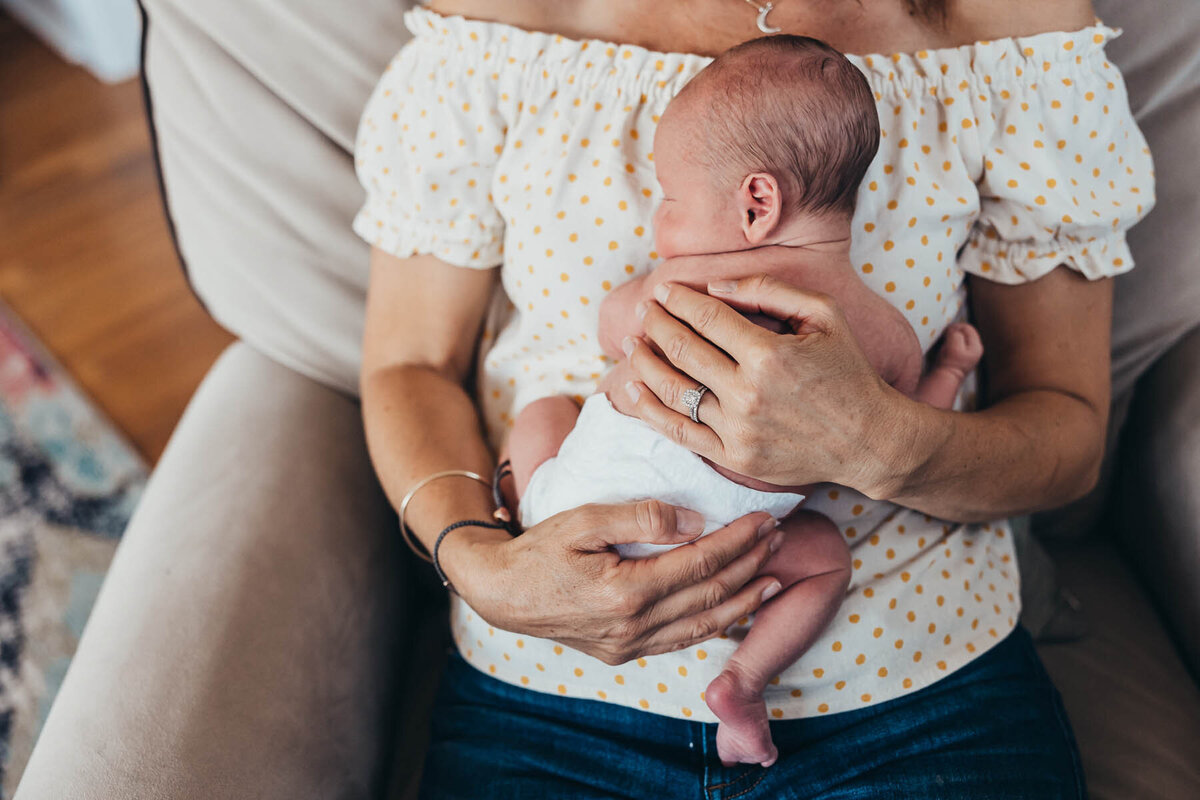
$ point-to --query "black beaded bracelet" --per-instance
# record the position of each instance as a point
(476, 523)
(503, 470)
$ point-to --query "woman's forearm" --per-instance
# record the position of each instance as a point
(1030, 451)
(420, 421)
(560, 579)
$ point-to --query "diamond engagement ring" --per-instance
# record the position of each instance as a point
(691, 400)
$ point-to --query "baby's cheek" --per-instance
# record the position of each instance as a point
(667, 238)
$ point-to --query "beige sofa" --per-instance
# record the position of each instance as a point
(262, 634)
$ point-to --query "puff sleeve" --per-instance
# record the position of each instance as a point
(1066, 171)
(426, 149)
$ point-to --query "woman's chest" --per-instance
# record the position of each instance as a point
(710, 27)
(575, 187)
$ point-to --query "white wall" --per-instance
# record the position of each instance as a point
(102, 35)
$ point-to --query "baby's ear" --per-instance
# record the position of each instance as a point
(761, 205)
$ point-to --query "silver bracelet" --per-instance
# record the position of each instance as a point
(409, 537)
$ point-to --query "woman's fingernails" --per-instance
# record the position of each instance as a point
(633, 391)
(627, 345)
(722, 287)
(641, 309)
(661, 291)
(769, 524)
(771, 590)
(776, 542)
(688, 522)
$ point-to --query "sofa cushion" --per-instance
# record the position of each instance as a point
(254, 107)
(1134, 708)
(1160, 490)
(1157, 304)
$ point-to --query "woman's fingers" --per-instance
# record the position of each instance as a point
(676, 426)
(709, 317)
(703, 587)
(712, 592)
(668, 383)
(705, 625)
(762, 294)
(650, 521)
(690, 348)
(704, 558)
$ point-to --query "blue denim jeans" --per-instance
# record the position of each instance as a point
(994, 729)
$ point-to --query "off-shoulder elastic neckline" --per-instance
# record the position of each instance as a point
(1039, 50)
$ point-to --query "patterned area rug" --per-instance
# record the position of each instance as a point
(68, 485)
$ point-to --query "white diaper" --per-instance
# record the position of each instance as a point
(609, 457)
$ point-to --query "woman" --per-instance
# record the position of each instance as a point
(1009, 168)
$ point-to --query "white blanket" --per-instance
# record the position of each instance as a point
(612, 458)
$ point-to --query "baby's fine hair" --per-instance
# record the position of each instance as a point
(795, 108)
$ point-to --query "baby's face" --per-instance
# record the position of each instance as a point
(696, 214)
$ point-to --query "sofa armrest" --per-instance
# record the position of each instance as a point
(1158, 490)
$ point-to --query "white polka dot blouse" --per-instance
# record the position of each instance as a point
(491, 146)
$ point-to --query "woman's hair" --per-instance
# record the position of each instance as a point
(792, 107)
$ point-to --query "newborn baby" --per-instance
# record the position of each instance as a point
(764, 147)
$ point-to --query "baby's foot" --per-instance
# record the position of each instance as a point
(743, 736)
(961, 348)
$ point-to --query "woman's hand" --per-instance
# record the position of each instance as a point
(561, 580)
(795, 408)
(805, 407)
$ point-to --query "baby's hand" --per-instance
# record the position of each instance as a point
(618, 315)
(613, 384)
(961, 348)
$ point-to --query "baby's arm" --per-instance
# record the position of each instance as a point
(537, 433)
(959, 354)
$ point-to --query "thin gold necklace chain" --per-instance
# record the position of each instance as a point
(763, 11)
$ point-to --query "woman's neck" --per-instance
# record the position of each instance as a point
(704, 27)
(709, 27)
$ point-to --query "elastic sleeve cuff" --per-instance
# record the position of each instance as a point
(988, 256)
(483, 248)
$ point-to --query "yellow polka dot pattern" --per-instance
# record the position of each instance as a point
(1026, 149)
(487, 145)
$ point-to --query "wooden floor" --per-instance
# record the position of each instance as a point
(85, 257)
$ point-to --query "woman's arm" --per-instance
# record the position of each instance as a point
(1039, 439)
(806, 407)
(559, 579)
(417, 354)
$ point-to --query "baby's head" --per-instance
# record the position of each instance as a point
(776, 131)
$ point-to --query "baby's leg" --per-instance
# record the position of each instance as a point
(960, 353)
(813, 564)
(538, 432)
